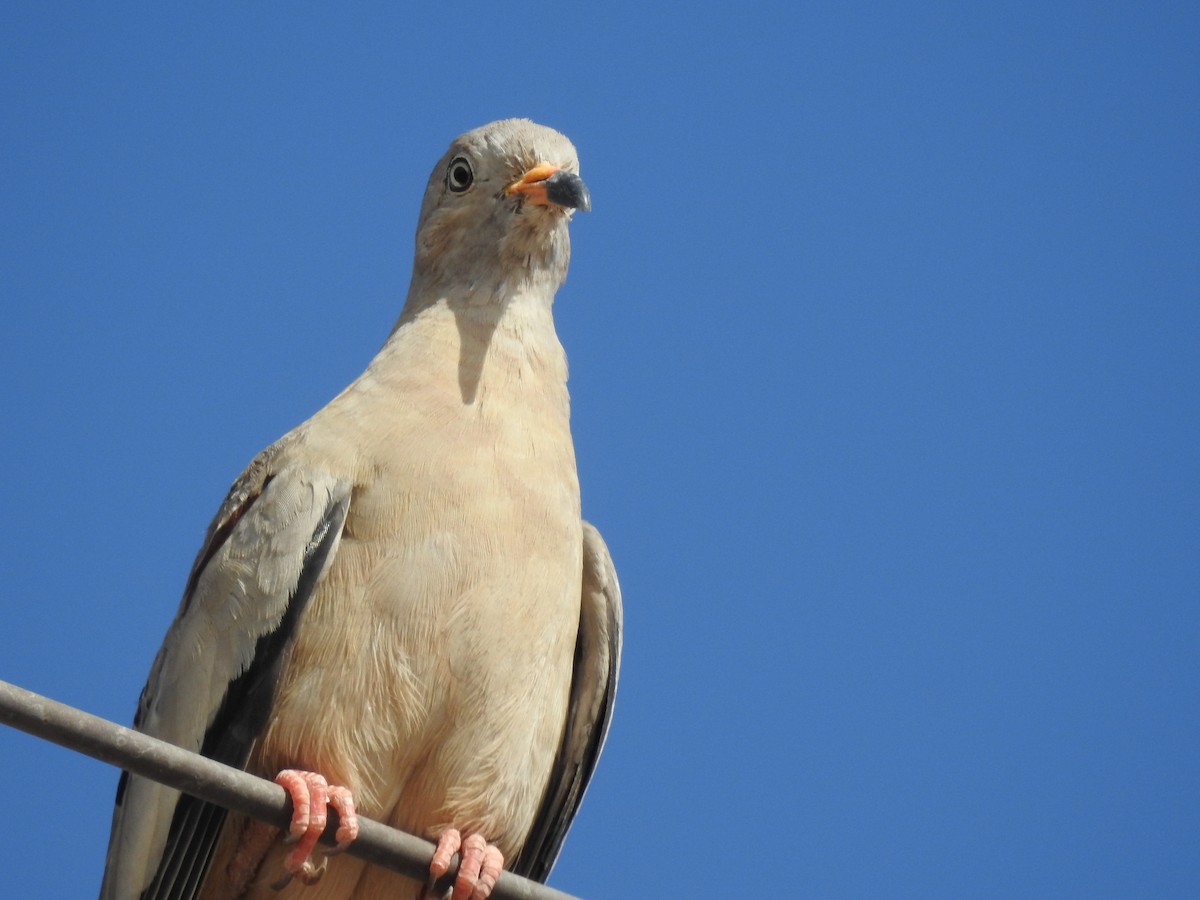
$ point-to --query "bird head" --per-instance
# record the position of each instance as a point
(495, 216)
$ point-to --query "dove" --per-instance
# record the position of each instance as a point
(398, 611)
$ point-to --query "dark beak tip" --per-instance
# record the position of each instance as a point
(568, 189)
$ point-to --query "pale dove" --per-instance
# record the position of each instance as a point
(400, 594)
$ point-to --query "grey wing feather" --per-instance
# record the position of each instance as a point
(593, 693)
(212, 683)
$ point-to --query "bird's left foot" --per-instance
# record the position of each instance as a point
(478, 870)
(311, 797)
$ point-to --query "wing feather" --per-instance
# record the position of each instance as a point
(212, 684)
(593, 693)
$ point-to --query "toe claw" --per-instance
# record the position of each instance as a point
(284, 880)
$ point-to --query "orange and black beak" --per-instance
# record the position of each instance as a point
(548, 185)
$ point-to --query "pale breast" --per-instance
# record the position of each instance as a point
(432, 668)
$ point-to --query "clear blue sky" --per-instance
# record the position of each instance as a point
(885, 346)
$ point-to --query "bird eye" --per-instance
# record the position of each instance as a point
(459, 176)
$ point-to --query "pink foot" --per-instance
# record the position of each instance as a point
(477, 872)
(311, 797)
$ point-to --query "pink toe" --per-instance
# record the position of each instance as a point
(342, 800)
(477, 872)
(448, 843)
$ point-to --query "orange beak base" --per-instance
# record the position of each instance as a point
(548, 185)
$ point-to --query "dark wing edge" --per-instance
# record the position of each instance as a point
(244, 707)
(197, 825)
(589, 713)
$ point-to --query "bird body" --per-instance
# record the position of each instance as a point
(395, 594)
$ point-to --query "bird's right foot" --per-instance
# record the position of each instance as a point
(311, 797)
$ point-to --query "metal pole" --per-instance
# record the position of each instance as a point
(225, 786)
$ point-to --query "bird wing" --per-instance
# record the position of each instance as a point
(212, 684)
(593, 693)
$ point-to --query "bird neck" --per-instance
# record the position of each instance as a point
(500, 340)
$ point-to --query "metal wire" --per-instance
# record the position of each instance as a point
(225, 786)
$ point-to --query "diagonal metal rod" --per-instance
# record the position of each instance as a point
(225, 786)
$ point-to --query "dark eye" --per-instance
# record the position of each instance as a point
(459, 176)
